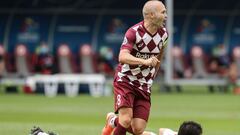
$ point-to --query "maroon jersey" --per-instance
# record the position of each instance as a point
(141, 44)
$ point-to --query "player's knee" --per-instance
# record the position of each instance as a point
(125, 116)
(138, 130)
(125, 121)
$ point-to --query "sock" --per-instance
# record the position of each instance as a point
(116, 122)
(120, 130)
(113, 122)
(129, 129)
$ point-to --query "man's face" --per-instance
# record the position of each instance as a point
(160, 16)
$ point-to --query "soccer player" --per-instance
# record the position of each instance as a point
(39, 131)
(139, 61)
(186, 128)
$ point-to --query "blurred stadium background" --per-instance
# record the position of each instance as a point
(69, 48)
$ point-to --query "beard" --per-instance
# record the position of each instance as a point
(159, 24)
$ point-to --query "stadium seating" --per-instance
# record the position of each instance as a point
(22, 61)
(236, 56)
(178, 62)
(198, 62)
(65, 59)
(88, 63)
(3, 72)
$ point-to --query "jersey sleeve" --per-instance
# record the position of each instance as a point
(129, 39)
(165, 42)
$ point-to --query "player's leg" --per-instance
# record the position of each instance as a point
(124, 121)
(112, 122)
(138, 126)
(141, 112)
(124, 99)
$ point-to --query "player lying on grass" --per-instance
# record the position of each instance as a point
(186, 128)
(39, 131)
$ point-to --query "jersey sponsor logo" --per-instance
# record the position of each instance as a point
(144, 56)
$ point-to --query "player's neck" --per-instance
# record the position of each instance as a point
(150, 28)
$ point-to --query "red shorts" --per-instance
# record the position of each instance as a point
(126, 95)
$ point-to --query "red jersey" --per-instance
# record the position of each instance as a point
(141, 44)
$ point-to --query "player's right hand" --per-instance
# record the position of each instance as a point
(153, 61)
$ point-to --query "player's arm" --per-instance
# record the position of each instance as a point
(126, 58)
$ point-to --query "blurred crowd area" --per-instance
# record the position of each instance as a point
(77, 36)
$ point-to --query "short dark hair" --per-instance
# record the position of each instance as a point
(190, 128)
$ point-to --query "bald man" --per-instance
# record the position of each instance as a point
(139, 59)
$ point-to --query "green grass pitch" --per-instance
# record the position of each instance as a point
(218, 113)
